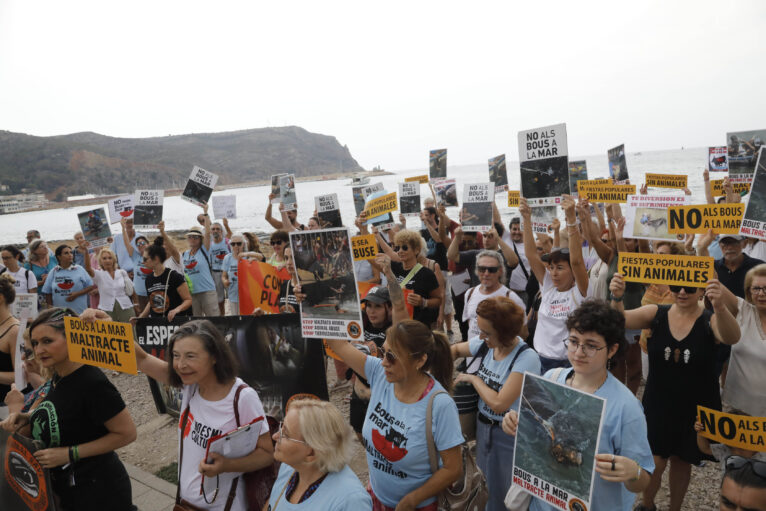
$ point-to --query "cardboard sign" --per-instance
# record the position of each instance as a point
(754, 221)
(498, 173)
(200, 186)
(287, 192)
(409, 199)
(514, 198)
(147, 208)
(106, 344)
(646, 217)
(94, 227)
(615, 194)
(618, 166)
(673, 270)
(697, 219)
(544, 164)
(477, 207)
(741, 431)
(258, 286)
(328, 210)
(24, 306)
(119, 208)
(25, 484)
(364, 247)
(718, 159)
(420, 179)
(437, 163)
(225, 206)
(666, 181)
(578, 171)
(739, 186)
(381, 205)
(542, 218)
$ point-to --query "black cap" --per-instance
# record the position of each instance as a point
(378, 294)
(557, 255)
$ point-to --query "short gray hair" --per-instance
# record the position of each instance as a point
(325, 430)
(497, 257)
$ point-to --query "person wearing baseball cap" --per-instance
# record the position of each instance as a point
(197, 267)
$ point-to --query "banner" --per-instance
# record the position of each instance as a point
(741, 431)
(287, 192)
(420, 179)
(618, 166)
(381, 205)
(615, 194)
(446, 192)
(225, 206)
(544, 164)
(578, 171)
(106, 344)
(476, 215)
(200, 186)
(743, 147)
(409, 199)
(364, 247)
(119, 208)
(697, 219)
(718, 159)
(666, 181)
(556, 443)
(275, 190)
(673, 270)
(147, 211)
(739, 185)
(646, 217)
(754, 221)
(514, 198)
(328, 210)
(437, 163)
(25, 484)
(273, 357)
(94, 227)
(498, 173)
(258, 286)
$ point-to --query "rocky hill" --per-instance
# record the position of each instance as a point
(87, 162)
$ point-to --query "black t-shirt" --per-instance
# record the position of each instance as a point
(287, 301)
(374, 334)
(76, 408)
(422, 283)
(160, 302)
(434, 250)
(467, 258)
(735, 280)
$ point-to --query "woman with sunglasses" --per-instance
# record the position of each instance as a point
(416, 365)
(596, 334)
(681, 376)
(168, 291)
(198, 270)
(279, 240)
(67, 284)
(229, 266)
(135, 250)
(314, 445)
(81, 422)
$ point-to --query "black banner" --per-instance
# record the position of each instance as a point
(273, 357)
(25, 484)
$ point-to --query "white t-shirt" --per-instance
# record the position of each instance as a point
(469, 311)
(757, 251)
(598, 275)
(111, 290)
(23, 282)
(746, 380)
(173, 265)
(555, 308)
(207, 419)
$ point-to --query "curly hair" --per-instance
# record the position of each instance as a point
(412, 239)
(597, 316)
(7, 288)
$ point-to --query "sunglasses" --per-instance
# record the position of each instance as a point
(737, 462)
(689, 289)
(403, 248)
(490, 269)
(278, 242)
(389, 356)
(236, 243)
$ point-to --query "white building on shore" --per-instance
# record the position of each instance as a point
(22, 202)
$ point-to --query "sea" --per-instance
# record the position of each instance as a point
(61, 224)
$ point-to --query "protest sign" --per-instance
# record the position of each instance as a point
(287, 192)
(666, 181)
(556, 443)
(273, 357)
(420, 179)
(106, 344)
(698, 218)
(578, 171)
(743, 147)
(409, 199)
(754, 221)
(19, 371)
(147, 212)
(514, 198)
(498, 174)
(544, 164)
(358, 195)
(119, 208)
(380, 205)
(437, 163)
(739, 185)
(646, 217)
(742, 431)
(24, 306)
(718, 159)
(364, 247)
(446, 191)
(673, 270)
(477, 207)
(258, 285)
(328, 210)
(225, 206)
(618, 166)
(200, 186)
(275, 191)
(374, 191)
(542, 218)
(25, 485)
(324, 266)
(94, 227)
(605, 193)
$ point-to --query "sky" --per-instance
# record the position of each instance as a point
(390, 80)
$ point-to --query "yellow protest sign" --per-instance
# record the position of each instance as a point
(740, 431)
(420, 179)
(716, 187)
(514, 197)
(666, 180)
(381, 205)
(106, 344)
(605, 193)
(673, 270)
(697, 219)
(364, 247)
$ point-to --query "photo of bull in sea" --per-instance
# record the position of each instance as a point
(548, 177)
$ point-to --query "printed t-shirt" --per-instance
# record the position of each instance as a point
(495, 372)
(160, 303)
(422, 283)
(197, 268)
(395, 437)
(207, 419)
(555, 308)
(24, 278)
(229, 265)
(63, 282)
(218, 252)
(340, 491)
(623, 433)
(746, 380)
(140, 272)
(469, 311)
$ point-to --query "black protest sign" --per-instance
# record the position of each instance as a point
(743, 147)
(26, 485)
(618, 165)
(544, 164)
(498, 173)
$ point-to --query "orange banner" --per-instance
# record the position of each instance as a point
(258, 286)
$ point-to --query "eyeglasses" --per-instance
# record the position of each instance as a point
(689, 289)
(28, 354)
(755, 290)
(276, 242)
(587, 349)
(282, 435)
(490, 269)
(140, 243)
(236, 243)
(737, 462)
(403, 248)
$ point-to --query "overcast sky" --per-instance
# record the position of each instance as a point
(389, 79)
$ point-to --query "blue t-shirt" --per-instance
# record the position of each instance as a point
(623, 433)
(340, 491)
(495, 372)
(395, 437)
(61, 283)
(197, 268)
(140, 272)
(123, 258)
(230, 264)
(39, 271)
(218, 252)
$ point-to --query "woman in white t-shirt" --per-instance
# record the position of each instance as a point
(25, 280)
(563, 282)
(110, 281)
(205, 367)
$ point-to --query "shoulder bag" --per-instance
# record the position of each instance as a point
(128, 284)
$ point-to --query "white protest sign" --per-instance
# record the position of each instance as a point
(646, 216)
(200, 186)
(147, 212)
(544, 164)
(409, 199)
(224, 206)
(477, 207)
(24, 306)
(119, 208)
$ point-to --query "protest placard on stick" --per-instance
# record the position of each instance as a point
(225, 206)
(741, 431)
(409, 199)
(119, 208)
(754, 221)
(514, 198)
(698, 218)
(420, 179)
(328, 210)
(666, 180)
(609, 193)
(287, 192)
(364, 247)
(544, 164)
(672, 270)
(718, 159)
(743, 147)
(618, 166)
(147, 212)
(578, 171)
(94, 226)
(646, 217)
(498, 173)
(106, 344)
(437, 163)
(477, 207)
(200, 186)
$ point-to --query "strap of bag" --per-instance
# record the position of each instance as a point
(235, 483)
(470, 293)
(557, 373)
(411, 274)
(167, 297)
(184, 419)
(480, 354)
(521, 263)
(432, 453)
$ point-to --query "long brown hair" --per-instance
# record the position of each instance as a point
(415, 338)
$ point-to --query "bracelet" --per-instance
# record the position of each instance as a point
(74, 454)
(424, 303)
(638, 474)
(615, 299)
(572, 225)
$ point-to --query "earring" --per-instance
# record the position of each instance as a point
(609, 364)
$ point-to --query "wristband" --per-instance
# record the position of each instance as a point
(572, 225)
(615, 299)
(74, 454)
(638, 474)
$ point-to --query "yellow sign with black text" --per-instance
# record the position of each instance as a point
(364, 247)
(514, 197)
(106, 344)
(673, 270)
(381, 205)
(698, 218)
(716, 187)
(614, 194)
(741, 431)
(666, 180)
(420, 179)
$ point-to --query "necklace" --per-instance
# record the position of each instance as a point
(574, 375)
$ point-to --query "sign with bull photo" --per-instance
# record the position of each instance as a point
(200, 186)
